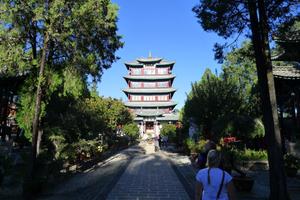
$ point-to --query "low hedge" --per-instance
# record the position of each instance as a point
(249, 154)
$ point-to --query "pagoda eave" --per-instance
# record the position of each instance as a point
(286, 72)
(166, 64)
(136, 65)
(149, 91)
(152, 113)
(158, 77)
(138, 104)
(149, 60)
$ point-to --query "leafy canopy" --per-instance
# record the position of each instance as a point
(79, 40)
(168, 130)
(132, 130)
(212, 99)
(230, 18)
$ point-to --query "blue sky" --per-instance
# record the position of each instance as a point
(169, 29)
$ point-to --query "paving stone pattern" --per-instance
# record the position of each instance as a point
(260, 190)
(149, 176)
(94, 183)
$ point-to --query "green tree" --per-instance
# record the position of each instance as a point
(87, 118)
(168, 130)
(213, 101)
(239, 66)
(60, 43)
(132, 130)
(261, 17)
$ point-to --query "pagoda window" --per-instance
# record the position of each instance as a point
(136, 71)
(163, 84)
(149, 85)
(136, 97)
(162, 71)
(136, 84)
(149, 98)
(163, 98)
(149, 71)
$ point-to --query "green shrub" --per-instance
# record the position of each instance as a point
(132, 130)
(248, 154)
(168, 130)
(68, 154)
(199, 146)
(190, 145)
(59, 144)
(259, 129)
(123, 141)
(83, 149)
(88, 147)
(291, 161)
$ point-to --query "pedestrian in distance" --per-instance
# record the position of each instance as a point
(213, 183)
(156, 144)
(159, 141)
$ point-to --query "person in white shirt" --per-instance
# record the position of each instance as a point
(213, 183)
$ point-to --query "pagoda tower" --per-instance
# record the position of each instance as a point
(150, 93)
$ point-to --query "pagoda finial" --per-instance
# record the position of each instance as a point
(150, 54)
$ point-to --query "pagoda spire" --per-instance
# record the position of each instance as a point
(150, 54)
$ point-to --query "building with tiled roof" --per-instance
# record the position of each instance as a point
(287, 72)
(150, 93)
(10, 83)
(287, 83)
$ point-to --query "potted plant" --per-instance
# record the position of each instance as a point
(242, 181)
(291, 164)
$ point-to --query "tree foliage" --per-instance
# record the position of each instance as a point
(86, 118)
(239, 67)
(58, 44)
(213, 100)
(168, 130)
(132, 130)
(230, 18)
(78, 39)
(260, 17)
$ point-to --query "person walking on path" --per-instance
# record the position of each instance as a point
(202, 156)
(213, 183)
(156, 143)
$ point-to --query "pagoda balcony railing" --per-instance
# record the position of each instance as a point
(149, 85)
(143, 74)
(150, 72)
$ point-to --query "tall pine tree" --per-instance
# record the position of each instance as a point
(261, 17)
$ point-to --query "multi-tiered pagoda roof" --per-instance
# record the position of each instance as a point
(290, 55)
(150, 89)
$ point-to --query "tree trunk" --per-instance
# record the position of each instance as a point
(278, 188)
(39, 95)
(39, 140)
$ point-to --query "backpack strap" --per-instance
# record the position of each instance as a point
(221, 185)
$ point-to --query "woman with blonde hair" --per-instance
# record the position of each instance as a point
(213, 183)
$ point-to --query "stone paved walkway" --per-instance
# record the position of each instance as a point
(149, 176)
(260, 190)
(94, 183)
(141, 173)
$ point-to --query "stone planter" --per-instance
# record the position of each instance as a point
(243, 183)
(253, 165)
